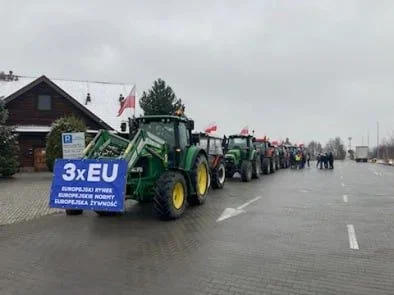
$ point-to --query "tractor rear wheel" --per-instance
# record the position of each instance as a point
(246, 171)
(170, 195)
(256, 168)
(73, 212)
(219, 176)
(273, 167)
(200, 181)
(266, 166)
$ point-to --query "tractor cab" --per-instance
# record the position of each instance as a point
(239, 142)
(174, 130)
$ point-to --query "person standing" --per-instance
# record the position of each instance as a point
(308, 158)
(318, 158)
(331, 160)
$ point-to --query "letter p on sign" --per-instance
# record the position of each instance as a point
(67, 138)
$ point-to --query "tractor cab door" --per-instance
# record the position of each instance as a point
(182, 140)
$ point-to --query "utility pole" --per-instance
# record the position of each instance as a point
(362, 140)
(377, 139)
(368, 139)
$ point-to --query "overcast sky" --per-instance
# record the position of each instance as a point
(302, 69)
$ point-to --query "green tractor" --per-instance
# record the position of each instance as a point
(241, 156)
(164, 164)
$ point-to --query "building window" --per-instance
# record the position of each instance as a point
(44, 103)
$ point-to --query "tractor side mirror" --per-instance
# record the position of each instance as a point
(123, 126)
(190, 124)
(195, 139)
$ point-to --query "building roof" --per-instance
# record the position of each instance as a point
(39, 129)
(104, 104)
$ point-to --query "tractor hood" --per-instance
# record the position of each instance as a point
(235, 153)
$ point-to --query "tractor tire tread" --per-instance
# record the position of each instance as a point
(162, 201)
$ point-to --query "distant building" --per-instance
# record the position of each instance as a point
(34, 103)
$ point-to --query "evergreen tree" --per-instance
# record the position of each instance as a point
(54, 148)
(160, 100)
(8, 146)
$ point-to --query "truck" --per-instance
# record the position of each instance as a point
(361, 154)
(165, 166)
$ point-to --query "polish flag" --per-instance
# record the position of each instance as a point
(211, 127)
(128, 102)
(245, 131)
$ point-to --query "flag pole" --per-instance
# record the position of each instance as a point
(135, 102)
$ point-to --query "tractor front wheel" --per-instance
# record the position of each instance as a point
(246, 171)
(200, 181)
(219, 176)
(73, 212)
(256, 168)
(266, 166)
(170, 195)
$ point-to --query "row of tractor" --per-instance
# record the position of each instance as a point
(243, 154)
(172, 167)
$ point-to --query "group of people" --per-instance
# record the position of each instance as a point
(300, 158)
(325, 160)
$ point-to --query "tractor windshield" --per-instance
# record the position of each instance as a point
(237, 142)
(164, 130)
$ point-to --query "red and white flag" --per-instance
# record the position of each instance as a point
(128, 102)
(211, 127)
(245, 131)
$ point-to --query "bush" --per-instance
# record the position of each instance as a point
(54, 137)
(8, 146)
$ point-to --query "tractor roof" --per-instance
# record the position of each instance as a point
(262, 140)
(202, 135)
(165, 117)
(240, 136)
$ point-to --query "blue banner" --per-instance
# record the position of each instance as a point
(98, 185)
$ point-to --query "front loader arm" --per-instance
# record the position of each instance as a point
(108, 145)
(145, 141)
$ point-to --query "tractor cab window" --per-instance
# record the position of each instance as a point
(237, 142)
(203, 143)
(218, 149)
(164, 130)
(183, 135)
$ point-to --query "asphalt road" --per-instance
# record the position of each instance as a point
(301, 232)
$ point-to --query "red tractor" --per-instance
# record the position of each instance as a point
(269, 155)
(213, 146)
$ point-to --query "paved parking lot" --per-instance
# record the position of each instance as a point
(292, 237)
(24, 197)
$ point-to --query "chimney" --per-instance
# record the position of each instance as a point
(88, 99)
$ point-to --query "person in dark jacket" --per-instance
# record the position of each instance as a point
(318, 158)
(308, 158)
(323, 160)
(331, 160)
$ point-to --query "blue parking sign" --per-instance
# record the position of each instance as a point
(67, 138)
(98, 185)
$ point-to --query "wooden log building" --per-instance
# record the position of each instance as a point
(34, 103)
